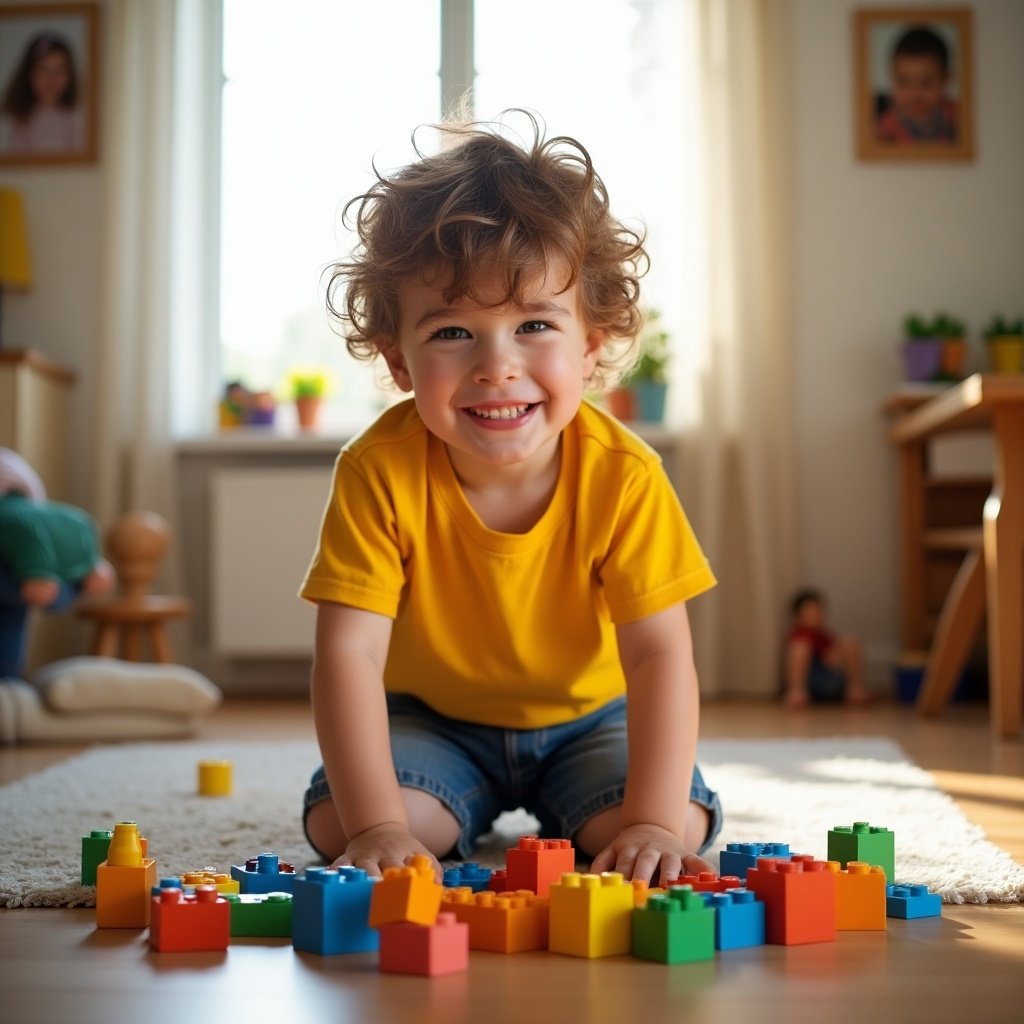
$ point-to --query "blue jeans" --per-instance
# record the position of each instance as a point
(563, 774)
(14, 622)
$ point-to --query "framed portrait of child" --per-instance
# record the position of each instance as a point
(914, 83)
(48, 83)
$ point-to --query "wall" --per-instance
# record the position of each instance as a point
(872, 242)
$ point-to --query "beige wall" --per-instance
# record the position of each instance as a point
(872, 242)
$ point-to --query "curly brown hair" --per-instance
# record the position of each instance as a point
(484, 203)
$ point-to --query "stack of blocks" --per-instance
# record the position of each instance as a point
(124, 881)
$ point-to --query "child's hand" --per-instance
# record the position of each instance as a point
(40, 593)
(384, 846)
(649, 852)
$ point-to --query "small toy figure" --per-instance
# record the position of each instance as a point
(49, 552)
(820, 666)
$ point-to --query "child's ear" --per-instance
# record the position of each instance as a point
(389, 349)
(597, 338)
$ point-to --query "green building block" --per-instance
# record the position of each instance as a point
(871, 844)
(94, 853)
(261, 915)
(674, 928)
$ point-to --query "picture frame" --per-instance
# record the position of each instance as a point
(914, 80)
(49, 83)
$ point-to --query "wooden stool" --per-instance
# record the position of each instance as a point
(136, 544)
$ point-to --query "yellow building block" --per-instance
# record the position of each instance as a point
(860, 896)
(590, 915)
(409, 894)
(214, 778)
(207, 876)
(124, 881)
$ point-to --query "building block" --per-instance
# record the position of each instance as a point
(509, 922)
(331, 912)
(799, 898)
(590, 915)
(739, 919)
(870, 844)
(440, 948)
(707, 881)
(860, 897)
(189, 924)
(642, 891)
(674, 928)
(224, 884)
(911, 902)
(499, 881)
(736, 858)
(264, 873)
(261, 915)
(468, 875)
(124, 881)
(94, 852)
(214, 778)
(536, 863)
(407, 894)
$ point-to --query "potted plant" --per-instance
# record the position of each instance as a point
(308, 387)
(1005, 344)
(641, 396)
(934, 350)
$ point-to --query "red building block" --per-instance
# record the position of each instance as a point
(499, 881)
(799, 898)
(707, 881)
(535, 863)
(440, 948)
(190, 924)
(406, 895)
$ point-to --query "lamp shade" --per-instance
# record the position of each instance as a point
(15, 270)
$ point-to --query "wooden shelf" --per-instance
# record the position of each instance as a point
(960, 538)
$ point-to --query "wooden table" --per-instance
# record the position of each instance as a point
(993, 576)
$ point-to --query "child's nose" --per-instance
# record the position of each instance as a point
(496, 361)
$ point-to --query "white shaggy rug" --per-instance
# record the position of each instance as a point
(772, 790)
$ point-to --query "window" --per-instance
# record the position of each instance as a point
(317, 89)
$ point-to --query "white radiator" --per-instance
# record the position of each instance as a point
(264, 526)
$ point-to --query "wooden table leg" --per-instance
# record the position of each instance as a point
(161, 645)
(131, 641)
(1004, 565)
(913, 469)
(105, 645)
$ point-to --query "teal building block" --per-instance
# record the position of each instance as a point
(739, 919)
(872, 844)
(674, 928)
(911, 902)
(331, 912)
(94, 853)
(469, 875)
(261, 915)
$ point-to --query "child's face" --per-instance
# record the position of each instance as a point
(811, 615)
(50, 78)
(918, 85)
(497, 384)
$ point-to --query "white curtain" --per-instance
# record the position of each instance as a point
(739, 463)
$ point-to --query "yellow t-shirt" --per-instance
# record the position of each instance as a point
(513, 630)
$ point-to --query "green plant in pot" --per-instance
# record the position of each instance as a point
(308, 388)
(934, 350)
(1004, 341)
(646, 385)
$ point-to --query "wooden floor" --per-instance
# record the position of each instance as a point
(968, 966)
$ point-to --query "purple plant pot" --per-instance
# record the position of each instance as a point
(922, 359)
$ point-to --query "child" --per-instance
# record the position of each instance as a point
(500, 562)
(819, 665)
(919, 109)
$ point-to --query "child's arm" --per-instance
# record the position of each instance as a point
(351, 718)
(662, 719)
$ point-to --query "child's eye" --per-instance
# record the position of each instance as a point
(535, 326)
(450, 334)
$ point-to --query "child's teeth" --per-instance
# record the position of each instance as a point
(508, 412)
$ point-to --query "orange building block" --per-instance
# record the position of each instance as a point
(860, 896)
(799, 899)
(707, 881)
(590, 915)
(508, 922)
(124, 881)
(408, 895)
(189, 924)
(537, 863)
(440, 948)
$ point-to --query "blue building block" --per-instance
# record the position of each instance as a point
(263, 874)
(165, 883)
(910, 902)
(331, 912)
(737, 857)
(739, 918)
(468, 875)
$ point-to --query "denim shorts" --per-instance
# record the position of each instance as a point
(562, 774)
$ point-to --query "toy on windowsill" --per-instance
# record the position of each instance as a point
(820, 666)
(241, 407)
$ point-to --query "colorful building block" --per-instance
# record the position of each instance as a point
(189, 924)
(737, 858)
(468, 875)
(642, 892)
(264, 873)
(224, 884)
(590, 915)
(124, 881)
(537, 863)
(860, 897)
(510, 922)
(214, 778)
(910, 902)
(499, 881)
(440, 948)
(94, 852)
(739, 918)
(674, 928)
(799, 897)
(707, 881)
(869, 844)
(408, 895)
(331, 912)
(261, 915)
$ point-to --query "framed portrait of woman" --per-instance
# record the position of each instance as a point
(914, 83)
(48, 83)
